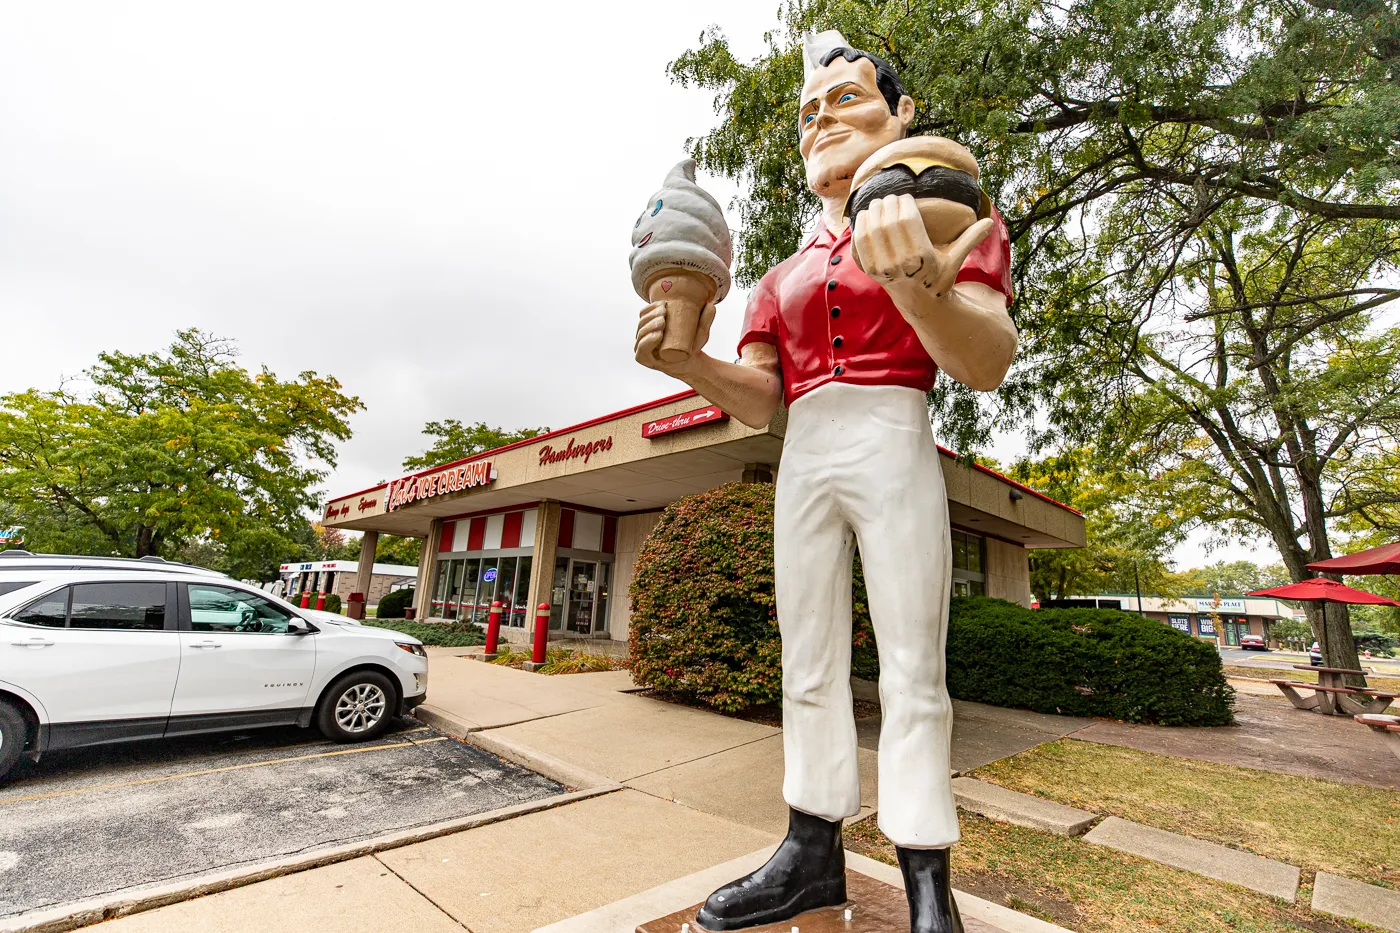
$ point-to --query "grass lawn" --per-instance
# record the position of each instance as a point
(1090, 890)
(1388, 684)
(1346, 829)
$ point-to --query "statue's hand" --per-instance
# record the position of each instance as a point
(895, 251)
(651, 329)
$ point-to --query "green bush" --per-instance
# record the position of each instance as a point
(432, 633)
(704, 626)
(394, 603)
(1084, 662)
(332, 603)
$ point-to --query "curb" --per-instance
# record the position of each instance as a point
(553, 768)
(111, 907)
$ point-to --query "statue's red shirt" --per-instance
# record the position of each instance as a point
(833, 323)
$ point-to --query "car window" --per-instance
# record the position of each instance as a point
(9, 586)
(227, 609)
(50, 610)
(137, 607)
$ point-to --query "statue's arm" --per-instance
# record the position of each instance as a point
(750, 390)
(964, 326)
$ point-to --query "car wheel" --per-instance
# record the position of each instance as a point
(13, 733)
(357, 707)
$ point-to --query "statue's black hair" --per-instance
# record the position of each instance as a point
(885, 78)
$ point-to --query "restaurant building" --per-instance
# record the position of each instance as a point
(341, 577)
(1220, 619)
(559, 518)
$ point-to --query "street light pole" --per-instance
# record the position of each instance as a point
(1137, 582)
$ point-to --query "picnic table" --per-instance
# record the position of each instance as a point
(1331, 696)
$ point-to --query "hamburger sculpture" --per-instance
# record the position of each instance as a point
(939, 173)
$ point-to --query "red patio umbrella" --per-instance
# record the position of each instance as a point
(1378, 560)
(1321, 590)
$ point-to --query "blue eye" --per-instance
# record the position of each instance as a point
(808, 119)
(846, 97)
(657, 209)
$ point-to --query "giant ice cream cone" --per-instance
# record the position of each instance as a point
(680, 255)
(686, 293)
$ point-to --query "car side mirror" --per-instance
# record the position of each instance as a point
(298, 627)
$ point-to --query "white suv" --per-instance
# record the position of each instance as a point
(95, 656)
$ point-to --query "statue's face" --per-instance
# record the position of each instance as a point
(843, 120)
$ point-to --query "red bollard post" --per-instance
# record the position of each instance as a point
(541, 633)
(306, 599)
(493, 629)
(320, 601)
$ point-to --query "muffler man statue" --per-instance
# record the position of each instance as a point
(905, 275)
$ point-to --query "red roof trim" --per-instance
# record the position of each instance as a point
(679, 396)
(572, 429)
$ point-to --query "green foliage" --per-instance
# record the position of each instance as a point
(392, 605)
(704, 627)
(432, 633)
(453, 440)
(704, 620)
(1084, 662)
(1380, 643)
(1204, 203)
(1129, 536)
(1232, 578)
(1294, 634)
(332, 603)
(161, 452)
(393, 549)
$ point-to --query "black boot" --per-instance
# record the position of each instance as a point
(929, 885)
(807, 871)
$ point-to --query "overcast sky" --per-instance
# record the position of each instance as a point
(430, 201)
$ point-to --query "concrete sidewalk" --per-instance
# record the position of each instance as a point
(698, 789)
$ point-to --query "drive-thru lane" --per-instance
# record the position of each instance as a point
(103, 820)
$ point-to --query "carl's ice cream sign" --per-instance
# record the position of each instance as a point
(453, 479)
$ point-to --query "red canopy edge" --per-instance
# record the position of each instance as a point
(1323, 590)
(1377, 560)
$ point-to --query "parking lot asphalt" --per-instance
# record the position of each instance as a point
(98, 821)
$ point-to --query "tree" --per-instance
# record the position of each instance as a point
(1128, 538)
(454, 441)
(1204, 204)
(395, 550)
(161, 452)
(1232, 578)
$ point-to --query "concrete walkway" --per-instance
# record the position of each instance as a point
(696, 790)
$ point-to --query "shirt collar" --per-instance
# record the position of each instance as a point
(824, 238)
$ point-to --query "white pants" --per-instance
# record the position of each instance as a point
(860, 466)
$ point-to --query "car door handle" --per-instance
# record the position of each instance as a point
(32, 643)
(204, 644)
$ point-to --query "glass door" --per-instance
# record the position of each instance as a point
(583, 584)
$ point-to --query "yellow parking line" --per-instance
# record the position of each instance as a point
(189, 774)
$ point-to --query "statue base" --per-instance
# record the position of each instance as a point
(875, 907)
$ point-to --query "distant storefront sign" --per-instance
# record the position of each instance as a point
(1224, 605)
(1207, 626)
(11, 536)
(1180, 623)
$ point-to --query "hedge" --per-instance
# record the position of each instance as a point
(332, 602)
(704, 626)
(394, 603)
(432, 633)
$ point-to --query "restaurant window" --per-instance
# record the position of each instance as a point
(969, 561)
(520, 603)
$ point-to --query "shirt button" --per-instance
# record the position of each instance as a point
(837, 371)
(831, 286)
(836, 312)
(837, 342)
(836, 260)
